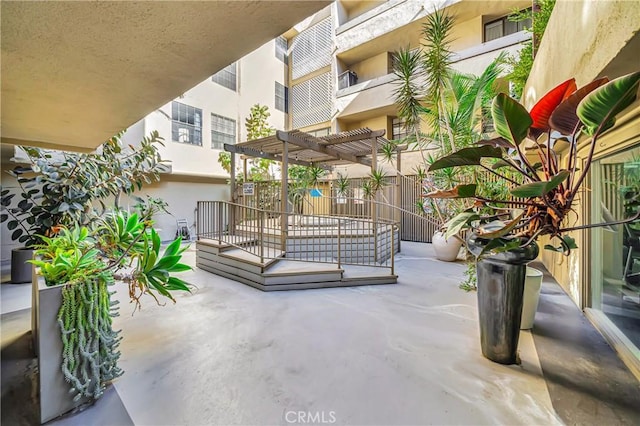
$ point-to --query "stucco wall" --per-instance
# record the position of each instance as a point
(599, 38)
(582, 38)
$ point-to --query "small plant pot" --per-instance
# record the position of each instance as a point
(446, 250)
(20, 269)
(532, 284)
(500, 295)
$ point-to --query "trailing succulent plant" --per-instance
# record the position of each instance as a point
(88, 261)
(548, 183)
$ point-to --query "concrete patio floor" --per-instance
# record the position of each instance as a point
(406, 353)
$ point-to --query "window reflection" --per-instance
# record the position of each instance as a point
(616, 248)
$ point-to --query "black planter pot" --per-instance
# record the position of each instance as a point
(500, 292)
(20, 269)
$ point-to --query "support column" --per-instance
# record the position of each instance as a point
(398, 197)
(234, 198)
(284, 195)
(374, 204)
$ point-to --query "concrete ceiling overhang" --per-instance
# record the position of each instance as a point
(76, 73)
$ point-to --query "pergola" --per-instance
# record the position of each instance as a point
(359, 146)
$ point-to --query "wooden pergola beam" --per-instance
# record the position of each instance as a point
(371, 134)
(316, 144)
(255, 153)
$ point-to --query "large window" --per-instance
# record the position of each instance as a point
(226, 77)
(223, 130)
(282, 97)
(615, 250)
(503, 27)
(186, 124)
(282, 45)
(399, 131)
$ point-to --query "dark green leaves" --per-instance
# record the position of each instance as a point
(510, 119)
(598, 109)
(538, 189)
(567, 244)
(466, 157)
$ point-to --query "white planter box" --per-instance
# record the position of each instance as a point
(53, 390)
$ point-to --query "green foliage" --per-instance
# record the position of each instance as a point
(256, 124)
(342, 185)
(546, 190)
(301, 179)
(450, 107)
(60, 188)
(470, 282)
(522, 62)
(86, 250)
(224, 159)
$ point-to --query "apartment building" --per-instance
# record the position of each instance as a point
(340, 69)
(196, 125)
(331, 72)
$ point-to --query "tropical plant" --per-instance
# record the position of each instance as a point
(441, 108)
(301, 179)
(342, 185)
(522, 61)
(89, 260)
(59, 188)
(549, 187)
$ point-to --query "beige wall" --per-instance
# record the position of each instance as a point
(373, 67)
(257, 74)
(599, 40)
(592, 35)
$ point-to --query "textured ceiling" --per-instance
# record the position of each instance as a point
(75, 73)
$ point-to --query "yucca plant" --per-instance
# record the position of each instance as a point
(550, 187)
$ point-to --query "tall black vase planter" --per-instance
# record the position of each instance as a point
(500, 292)
(20, 269)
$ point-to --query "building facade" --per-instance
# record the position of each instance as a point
(340, 69)
(603, 275)
(196, 125)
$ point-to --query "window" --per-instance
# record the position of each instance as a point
(399, 131)
(503, 27)
(226, 77)
(614, 252)
(186, 124)
(282, 46)
(223, 130)
(282, 98)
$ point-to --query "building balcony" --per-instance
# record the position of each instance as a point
(378, 21)
(377, 93)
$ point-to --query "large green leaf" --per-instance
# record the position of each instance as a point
(599, 108)
(456, 224)
(466, 157)
(510, 119)
(538, 189)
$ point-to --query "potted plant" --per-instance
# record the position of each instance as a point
(443, 111)
(58, 188)
(505, 241)
(73, 330)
